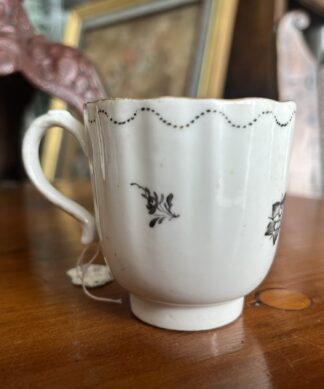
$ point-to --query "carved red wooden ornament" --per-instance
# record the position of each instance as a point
(54, 68)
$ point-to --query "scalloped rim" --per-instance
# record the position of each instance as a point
(245, 100)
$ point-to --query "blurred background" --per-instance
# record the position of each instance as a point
(61, 53)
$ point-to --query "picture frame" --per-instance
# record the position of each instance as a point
(204, 26)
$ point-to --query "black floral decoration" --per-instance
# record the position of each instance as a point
(159, 206)
(274, 225)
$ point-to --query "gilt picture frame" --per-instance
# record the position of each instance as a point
(183, 45)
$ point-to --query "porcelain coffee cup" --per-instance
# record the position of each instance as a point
(188, 195)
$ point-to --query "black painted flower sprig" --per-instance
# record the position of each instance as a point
(273, 227)
(158, 206)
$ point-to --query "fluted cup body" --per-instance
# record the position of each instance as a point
(189, 195)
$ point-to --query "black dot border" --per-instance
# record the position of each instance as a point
(208, 111)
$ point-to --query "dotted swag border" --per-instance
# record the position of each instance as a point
(193, 120)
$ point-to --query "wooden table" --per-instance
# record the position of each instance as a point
(53, 336)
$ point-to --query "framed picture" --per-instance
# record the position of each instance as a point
(143, 49)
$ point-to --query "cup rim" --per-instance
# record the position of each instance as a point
(243, 100)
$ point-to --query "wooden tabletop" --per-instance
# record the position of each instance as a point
(53, 336)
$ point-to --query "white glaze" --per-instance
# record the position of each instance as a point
(225, 181)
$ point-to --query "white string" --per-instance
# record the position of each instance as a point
(82, 271)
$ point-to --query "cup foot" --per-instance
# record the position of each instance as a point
(186, 318)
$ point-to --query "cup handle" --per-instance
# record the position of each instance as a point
(30, 155)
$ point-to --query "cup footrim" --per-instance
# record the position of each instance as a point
(186, 318)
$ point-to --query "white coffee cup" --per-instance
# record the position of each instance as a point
(188, 198)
